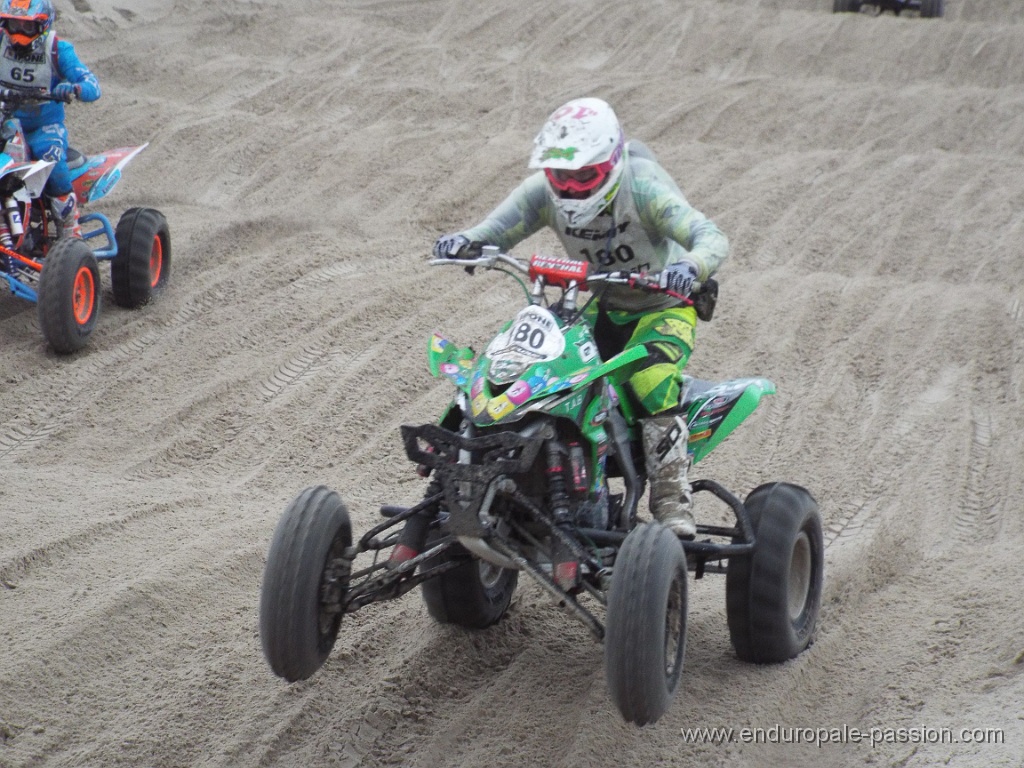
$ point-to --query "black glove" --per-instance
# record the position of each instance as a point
(679, 277)
(452, 247)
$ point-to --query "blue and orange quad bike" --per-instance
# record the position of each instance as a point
(928, 9)
(60, 273)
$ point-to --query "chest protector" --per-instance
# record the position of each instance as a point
(616, 240)
(31, 69)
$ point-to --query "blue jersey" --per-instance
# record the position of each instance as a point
(62, 65)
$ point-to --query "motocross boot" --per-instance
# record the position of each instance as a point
(671, 500)
(65, 210)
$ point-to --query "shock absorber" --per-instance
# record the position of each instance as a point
(10, 223)
(565, 566)
(578, 465)
(558, 496)
(12, 219)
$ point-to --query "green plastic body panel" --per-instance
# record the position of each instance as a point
(720, 409)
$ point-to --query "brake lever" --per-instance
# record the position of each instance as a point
(644, 283)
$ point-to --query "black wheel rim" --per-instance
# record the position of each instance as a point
(332, 591)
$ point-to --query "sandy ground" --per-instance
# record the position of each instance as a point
(870, 175)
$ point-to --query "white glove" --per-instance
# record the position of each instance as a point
(678, 277)
(450, 246)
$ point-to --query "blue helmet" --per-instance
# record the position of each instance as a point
(25, 21)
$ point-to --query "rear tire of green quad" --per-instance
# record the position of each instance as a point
(473, 595)
(301, 581)
(932, 9)
(142, 266)
(773, 595)
(846, 6)
(645, 625)
(69, 295)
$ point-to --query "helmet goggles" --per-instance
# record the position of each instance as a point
(24, 29)
(574, 182)
(24, 26)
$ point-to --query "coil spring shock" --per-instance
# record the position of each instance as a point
(558, 495)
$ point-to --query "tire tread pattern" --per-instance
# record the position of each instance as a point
(129, 270)
(56, 295)
(289, 622)
(757, 605)
(460, 597)
(650, 559)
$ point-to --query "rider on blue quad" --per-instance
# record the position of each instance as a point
(32, 59)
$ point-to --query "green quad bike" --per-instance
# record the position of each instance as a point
(536, 467)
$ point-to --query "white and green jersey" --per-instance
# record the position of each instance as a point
(648, 226)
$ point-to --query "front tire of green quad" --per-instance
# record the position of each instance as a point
(773, 595)
(932, 9)
(645, 635)
(69, 295)
(304, 581)
(474, 595)
(846, 6)
(142, 267)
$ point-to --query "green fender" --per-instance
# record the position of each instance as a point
(719, 410)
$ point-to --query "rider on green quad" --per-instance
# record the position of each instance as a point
(611, 204)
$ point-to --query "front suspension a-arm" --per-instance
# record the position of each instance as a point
(384, 579)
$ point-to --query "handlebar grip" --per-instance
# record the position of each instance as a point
(473, 251)
(15, 94)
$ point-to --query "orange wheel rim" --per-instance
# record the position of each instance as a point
(156, 262)
(84, 299)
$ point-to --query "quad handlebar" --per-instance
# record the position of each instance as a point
(563, 272)
(16, 97)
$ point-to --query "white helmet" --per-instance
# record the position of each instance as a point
(580, 149)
